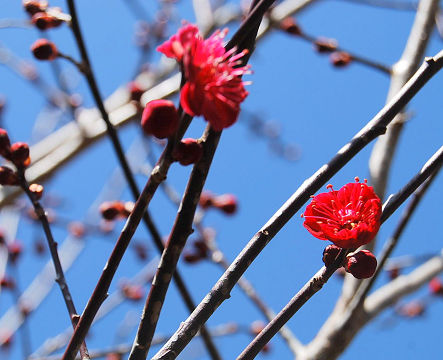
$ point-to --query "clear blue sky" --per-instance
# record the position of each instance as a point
(318, 107)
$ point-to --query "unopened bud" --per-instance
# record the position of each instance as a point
(188, 151)
(160, 118)
(329, 254)
(323, 45)
(8, 176)
(44, 50)
(226, 203)
(36, 190)
(5, 143)
(289, 25)
(43, 21)
(340, 58)
(361, 264)
(19, 154)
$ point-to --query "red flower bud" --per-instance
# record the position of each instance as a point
(436, 286)
(39, 247)
(7, 283)
(76, 229)
(206, 199)
(15, 249)
(393, 273)
(361, 264)
(132, 292)
(140, 250)
(290, 26)
(33, 6)
(323, 45)
(44, 50)
(329, 254)
(19, 154)
(412, 309)
(160, 118)
(36, 190)
(5, 143)
(43, 21)
(110, 210)
(226, 203)
(135, 91)
(340, 58)
(191, 258)
(8, 176)
(188, 151)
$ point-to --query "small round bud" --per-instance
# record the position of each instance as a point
(7, 282)
(188, 151)
(290, 26)
(77, 229)
(206, 199)
(329, 254)
(15, 249)
(39, 247)
(361, 264)
(110, 210)
(412, 309)
(44, 50)
(340, 58)
(226, 203)
(135, 91)
(436, 286)
(132, 292)
(43, 21)
(191, 258)
(393, 273)
(113, 356)
(323, 45)
(160, 118)
(36, 190)
(140, 250)
(5, 143)
(19, 154)
(8, 176)
(33, 6)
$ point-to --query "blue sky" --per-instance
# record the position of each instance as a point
(318, 109)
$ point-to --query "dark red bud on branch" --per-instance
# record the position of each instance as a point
(44, 50)
(361, 264)
(188, 151)
(160, 118)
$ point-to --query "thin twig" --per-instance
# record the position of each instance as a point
(60, 276)
(322, 276)
(221, 290)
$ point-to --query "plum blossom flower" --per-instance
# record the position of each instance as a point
(213, 87)
(349, 217)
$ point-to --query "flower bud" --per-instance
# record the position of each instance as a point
(44, 50)
(5, 143)
(34, 6)
(290, 26)
(7, 283)
(15, 249)
(19, 154)
(226, 203)
(340, 58)
(36, 190)
(110, 210)
(361, 264)
(412, 309)
(188, 151)
(135, 91)
(436, 286)
(329, 254)
(77, 229)
(140, 250)
(160, 118)
(132, 292)
(8, 176)
(323, 45)
(206, 199)
(43, 21)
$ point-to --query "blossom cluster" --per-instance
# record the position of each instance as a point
(213, 87)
